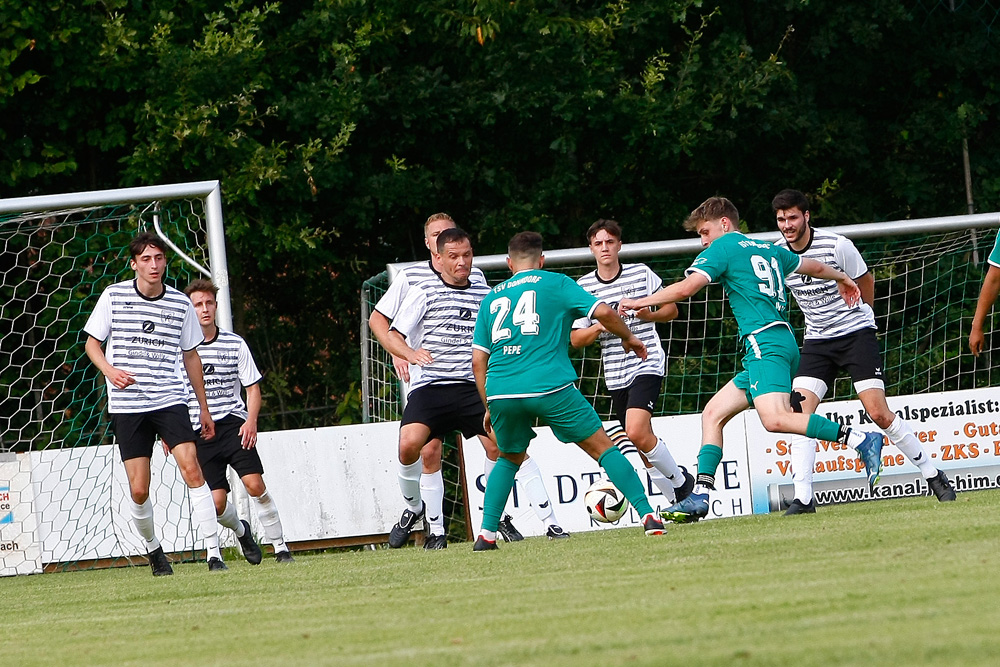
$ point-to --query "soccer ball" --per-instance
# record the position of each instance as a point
(605, 503)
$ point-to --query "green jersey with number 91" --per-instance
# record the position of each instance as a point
(524, 326)
(753, 275)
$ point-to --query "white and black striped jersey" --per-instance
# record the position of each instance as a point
(145, 337)
(827, 316)
(390, 302)
(633, 281)
(441, 319)
(228, 366)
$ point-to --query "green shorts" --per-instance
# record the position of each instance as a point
(566, 412)
(771, 360)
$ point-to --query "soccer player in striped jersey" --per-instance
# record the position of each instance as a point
(753, 274)
(520, 359)
(838, 337)
(227, 367)
(428, 476)
(634, 383)
(150, 332)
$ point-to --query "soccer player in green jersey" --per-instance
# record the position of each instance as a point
(520, 359)
(752, 273)
(987, 297)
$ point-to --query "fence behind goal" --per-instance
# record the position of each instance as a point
(927, 279)
(57, 254)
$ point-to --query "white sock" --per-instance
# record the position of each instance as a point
(231, 520)
(660, 458)
(530, 479)
(487, 469)
(267, 512)
(489, 535)
(665, 486)
(901, 435)
(432, 491)
(203, 513)
(803, 465)
(142, 519)
(409, 483)
(855, 437)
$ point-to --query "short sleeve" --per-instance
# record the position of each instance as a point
(849, 259)
(99, 323)
(790, 262)
(392, 300)
(994, 257)
(579, 301)
(249, 373)
(481, 333)
(710, 262)
(191, 333)
(411, 312)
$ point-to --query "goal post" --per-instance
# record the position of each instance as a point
(57, 254)
(928, 274)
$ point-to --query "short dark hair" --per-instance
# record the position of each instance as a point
(713, 208)
(452, 235)
(201, 285)
(525, 245)
(610, 226)
(790, 199)
(143, 240)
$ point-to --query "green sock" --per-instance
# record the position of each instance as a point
(709, 457)
(498, 487)
(622, 474)
(822, 428)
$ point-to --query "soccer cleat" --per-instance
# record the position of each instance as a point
(799, 507)
(435, 542)
(216, 565)
(684, 490)
(652, 524)
(159, 564)
(556, 533)
(284, 557)
(871, 455)
(401, 531)
(689, 510)
(483, 544)
(942, 487)
(507, 530)
(249, 546)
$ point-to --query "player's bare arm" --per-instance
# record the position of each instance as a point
(379, 325)
(583, 337)
(661, 314)
(480, 361)
(248, 432)
(866, 283)
(679, 291)
(848, 289)
(395, 344)
(987, 297)
(614, 324)
(192, 363)
(119, 378)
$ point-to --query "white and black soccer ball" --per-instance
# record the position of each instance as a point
(605, 503)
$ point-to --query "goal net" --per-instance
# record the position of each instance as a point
(57, 254)
(927, 278)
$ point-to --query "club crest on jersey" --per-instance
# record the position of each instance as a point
(167, 317)
(148, 327)
(208, 369)
(807, 279)
(225, 358)
(465, 313)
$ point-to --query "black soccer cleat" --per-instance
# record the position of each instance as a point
(284, 557)
(652, 525)
(942, 487)
(799, 507)
(435, 542)
(684, 490)
(556, 533)
(216, 565)
(400, 533)
(251, 550)
(507, 530)
(483, 544)
(159, 564)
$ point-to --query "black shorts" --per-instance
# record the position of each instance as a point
(643, 393)
(136, 432)
(858, 353)
(444, 408)
(224, 450)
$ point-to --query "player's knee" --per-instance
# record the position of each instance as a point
(773, 423)
(139, 495)
(883, 417)
(255, 486)
(220, 506)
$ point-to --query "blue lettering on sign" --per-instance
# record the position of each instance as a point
(9, 517)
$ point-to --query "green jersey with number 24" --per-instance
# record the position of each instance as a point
(524, 325)
(753, 275)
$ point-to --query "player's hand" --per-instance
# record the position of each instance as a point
(421, 357)
(487, 424)
(402, 367)
(248, 435)
(644, 314)
(633, 344)
(624, 306)
(207, 426)
(976, 341)
(850, 292)
(120, 378)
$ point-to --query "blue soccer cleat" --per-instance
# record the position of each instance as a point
(689, 510)
(871, 455)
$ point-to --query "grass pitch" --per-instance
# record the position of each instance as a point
(896, 582)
